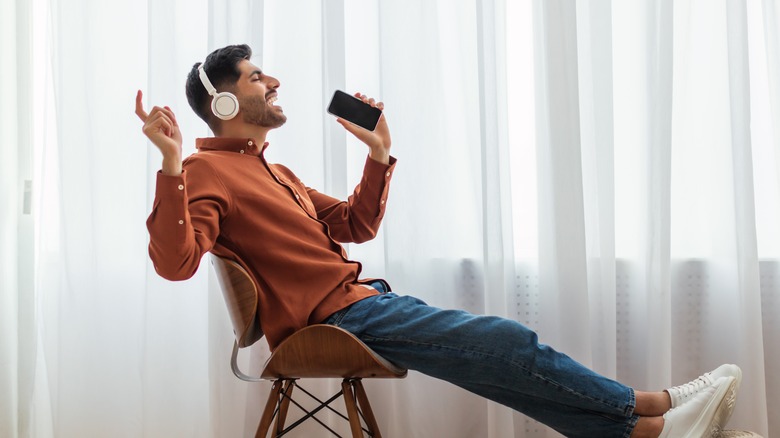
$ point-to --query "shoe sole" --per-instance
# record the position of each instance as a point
(709, 423)
(725, 398)
(731, 397)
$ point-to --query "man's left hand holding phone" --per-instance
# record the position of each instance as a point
(378, 140)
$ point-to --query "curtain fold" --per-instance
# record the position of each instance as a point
(9, 219)
(594, 35)
(764, 66)
(497, 238)
(643, 108)
(749, 319)
(604, 172)
(564, 318)
(18, 319)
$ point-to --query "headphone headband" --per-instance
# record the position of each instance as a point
(205, 80)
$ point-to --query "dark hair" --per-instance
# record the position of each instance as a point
(221, 67)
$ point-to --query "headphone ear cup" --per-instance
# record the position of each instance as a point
(224, 105)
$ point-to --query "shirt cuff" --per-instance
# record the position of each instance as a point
(169, 186)
(373, 168)
(377, 177)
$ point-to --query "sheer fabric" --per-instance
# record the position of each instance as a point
(603, 172)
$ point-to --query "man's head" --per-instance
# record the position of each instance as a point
(229, 69)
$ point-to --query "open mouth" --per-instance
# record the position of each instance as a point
(271, 100)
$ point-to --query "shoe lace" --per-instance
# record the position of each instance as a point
(694, 386)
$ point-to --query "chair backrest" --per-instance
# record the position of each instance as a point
(314, 351)
(241, 298)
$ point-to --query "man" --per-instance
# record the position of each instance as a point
(228, 200)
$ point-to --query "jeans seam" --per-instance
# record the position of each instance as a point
(338, 317)
(553, 383)
(632, 420)
(631, 403)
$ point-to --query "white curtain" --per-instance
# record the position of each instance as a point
(18, 329)
(607, 173)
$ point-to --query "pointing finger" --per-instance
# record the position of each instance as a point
(139, 106)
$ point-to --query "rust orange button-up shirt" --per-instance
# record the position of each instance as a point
(230, 201)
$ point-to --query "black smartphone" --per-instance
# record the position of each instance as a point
(352, 109)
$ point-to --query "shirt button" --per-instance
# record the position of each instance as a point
(181, 222)
(297, 196)
(249, 143)
(382, 202)
(242, 151)
(387, 174)
(181, 187)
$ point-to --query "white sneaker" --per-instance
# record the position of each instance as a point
(702, 416)
(683, 393)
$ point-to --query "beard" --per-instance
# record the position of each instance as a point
(256, 111)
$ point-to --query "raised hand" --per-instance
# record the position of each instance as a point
(377, 140)
(161, 128)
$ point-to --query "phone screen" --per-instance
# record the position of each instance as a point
(352, 109)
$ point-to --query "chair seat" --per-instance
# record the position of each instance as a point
(315, 351)
(323, 350)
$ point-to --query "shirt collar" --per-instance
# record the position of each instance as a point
(247, 146)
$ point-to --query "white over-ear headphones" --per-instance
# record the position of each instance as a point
(224, 105)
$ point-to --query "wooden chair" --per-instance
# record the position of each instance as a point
(317, 351)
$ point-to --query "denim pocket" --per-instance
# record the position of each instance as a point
(337, 317)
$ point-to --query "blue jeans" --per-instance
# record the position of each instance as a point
(496, 358)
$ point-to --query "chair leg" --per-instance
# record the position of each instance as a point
(270, 407)
(352, 412)
(284, 403)
(365, 406)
